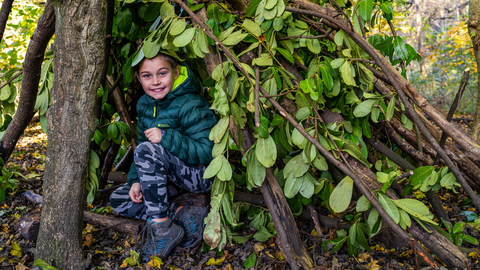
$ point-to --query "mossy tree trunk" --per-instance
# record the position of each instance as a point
(78, 65)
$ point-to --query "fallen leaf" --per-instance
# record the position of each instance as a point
(258, 247)
(20, 266)
(155, 262)
(16, 250)
(88, 240)
(212, 261)
(373, 265)
(362, 257)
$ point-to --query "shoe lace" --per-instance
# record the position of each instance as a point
(145, 231)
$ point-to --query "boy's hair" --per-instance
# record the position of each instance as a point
(170, 59)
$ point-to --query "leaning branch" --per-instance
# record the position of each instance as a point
(31, 78)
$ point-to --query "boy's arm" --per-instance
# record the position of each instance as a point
(193, 145)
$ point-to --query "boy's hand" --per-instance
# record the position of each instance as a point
(154, 135)
(136, 192)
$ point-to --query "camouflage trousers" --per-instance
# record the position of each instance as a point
(161, 175)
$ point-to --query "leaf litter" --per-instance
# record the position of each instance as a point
(105, 248)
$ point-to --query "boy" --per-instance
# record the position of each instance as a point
(174, 123)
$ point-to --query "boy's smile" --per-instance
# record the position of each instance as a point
(157, 77)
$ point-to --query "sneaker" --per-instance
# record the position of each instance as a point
(191, 219)
(161, 238)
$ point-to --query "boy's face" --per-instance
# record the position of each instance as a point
(157, 76)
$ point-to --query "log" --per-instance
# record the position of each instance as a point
(29, 224)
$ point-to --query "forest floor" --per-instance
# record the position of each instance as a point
(105, 248)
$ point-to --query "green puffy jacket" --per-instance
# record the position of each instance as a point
(184, 116)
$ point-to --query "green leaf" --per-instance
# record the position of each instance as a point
(307, 189)
(353, 149)
(390, 109)
(252, 7)
(266, 151)
(234, 38)
(337, 62)
(167, 10)
(263, 129)
(346, 73)
(217, 132)
(405, 218)
(151, 48)
(219, 148)
(225, 172)
(448, 181)
(252, 27)
(2, 194)
(178, 26)
(326, 77)
(420, 175)
(285, 54)
(44, 265)
(250, 261)
(364, 108)
(390, 207)
(5, 92)
(112, 130)
(362, 204)
(308, 85)
(320, 163)
(415, 208)
(400, 48)
(124, 20)
(292, 186)
(213, 168)
(296, 167)
(386, 7)
(264, 60)
(341, 195)
(365, 9)
(302, 114)
(255, 170)
(185, 38)
(269, 4)
(339, 36)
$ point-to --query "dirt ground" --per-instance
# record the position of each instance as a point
(105, 248)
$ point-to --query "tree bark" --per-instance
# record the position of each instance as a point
(474, 32)
(78, 63)
(4, 13)
(31, 77)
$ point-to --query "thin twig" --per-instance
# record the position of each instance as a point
(453, 108)
(307, 37)
(12, 78)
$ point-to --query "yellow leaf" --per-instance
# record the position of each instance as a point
(16, 250)
(269, 255)
(314, 232)
(373, 265)
(474, 255)
(124, 264)
(2, 259)
(279, 256)
(155, 262)
(212, 261)
(98, 252)
(115, 236)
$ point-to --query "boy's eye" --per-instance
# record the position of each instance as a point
(146, 76)
(162, 73)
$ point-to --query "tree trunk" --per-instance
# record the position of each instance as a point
(31, 77)
(474, 31)
(78, 64)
